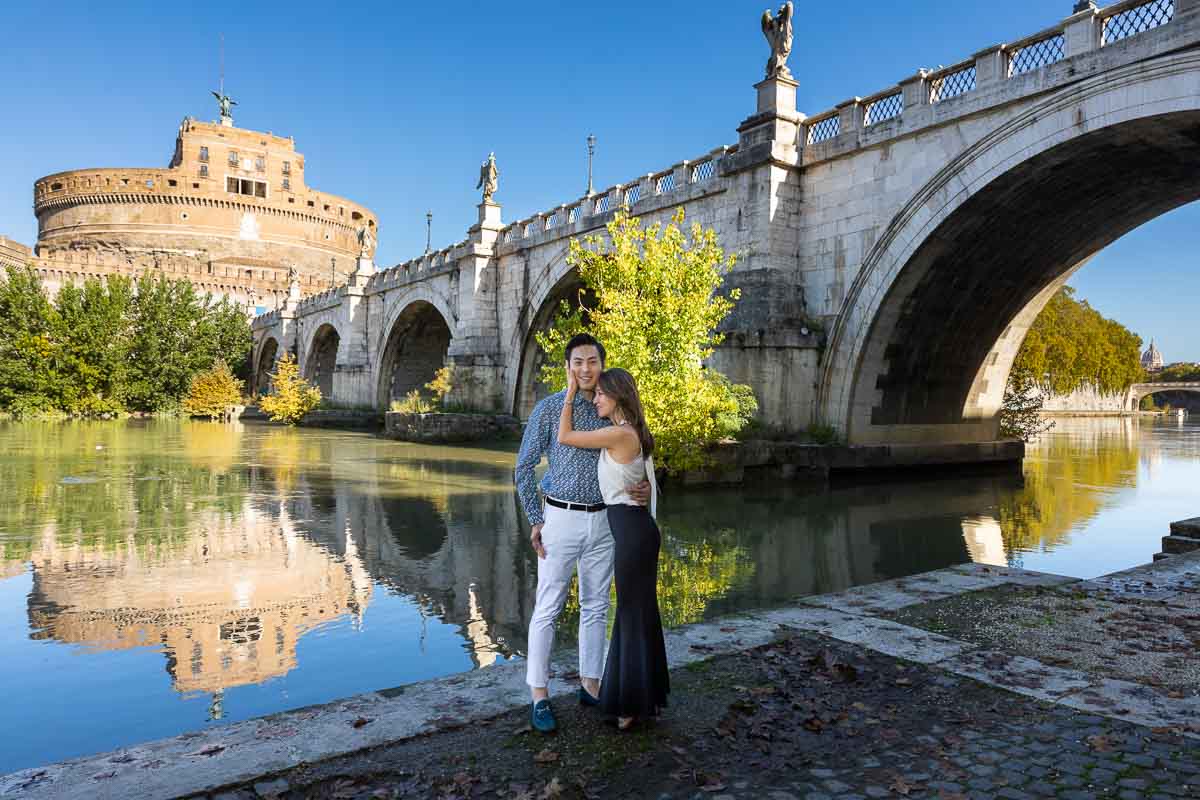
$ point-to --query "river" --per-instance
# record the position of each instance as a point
(158, 576)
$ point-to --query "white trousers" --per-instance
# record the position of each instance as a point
(573, 540)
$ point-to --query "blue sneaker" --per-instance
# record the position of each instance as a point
(543, 717)
(586, 699)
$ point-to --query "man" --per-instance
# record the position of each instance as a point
(569, 532)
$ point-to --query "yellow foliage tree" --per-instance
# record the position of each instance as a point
(291, 396)
(212, 391)
(657, 308)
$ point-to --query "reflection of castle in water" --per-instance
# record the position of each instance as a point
(227, 605)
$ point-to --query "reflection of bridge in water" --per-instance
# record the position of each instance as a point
(229, 600)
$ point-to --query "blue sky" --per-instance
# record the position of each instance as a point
(394, 105)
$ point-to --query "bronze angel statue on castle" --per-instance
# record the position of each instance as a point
(778, 31)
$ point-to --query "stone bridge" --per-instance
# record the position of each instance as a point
(1140, 390)
(893, 251)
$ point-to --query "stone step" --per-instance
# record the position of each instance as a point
(1179, 544)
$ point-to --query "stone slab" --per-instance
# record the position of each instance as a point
(1018, 674)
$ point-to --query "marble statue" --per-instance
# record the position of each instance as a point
(366, 242)
(488, 175)
(778, 31)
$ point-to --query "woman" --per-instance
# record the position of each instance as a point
(635, 683)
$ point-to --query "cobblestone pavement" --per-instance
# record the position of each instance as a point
(804, 717)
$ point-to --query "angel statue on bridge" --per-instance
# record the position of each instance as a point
(488, 175)
(779, 35)
(366, 242)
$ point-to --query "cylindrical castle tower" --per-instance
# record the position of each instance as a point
(231, 213)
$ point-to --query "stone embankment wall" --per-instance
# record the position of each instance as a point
(1086, 401)
(441, 428)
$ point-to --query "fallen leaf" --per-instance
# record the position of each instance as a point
(553, 789)
(547, 756)
(1099, 743)
(900, 786)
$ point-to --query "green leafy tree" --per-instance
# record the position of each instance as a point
(94, 331)
(1070, 345)
(1177, 373)
(29, 352)
(291, 396)
(657, 307)
(213, 391)
(110, 345)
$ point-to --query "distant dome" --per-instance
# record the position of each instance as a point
(1152, 360)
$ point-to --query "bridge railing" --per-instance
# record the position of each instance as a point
(622, 195)
(1087, 30)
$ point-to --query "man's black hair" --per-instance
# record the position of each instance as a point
(582, 340)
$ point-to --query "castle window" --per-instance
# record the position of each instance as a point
(260, 188)
(326, 206)
(311, 204)
(287, 168)
(260, 164)
(196, 185)
(171, 182)
(149, 184)
(204, 153)
(233, 158)
(204, 170)
(355, 215)
(231, 185)
(291, 199)
(54, 187)
(287, 184)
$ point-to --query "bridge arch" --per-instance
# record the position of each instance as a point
(557, 282)
(1142, 390)
(264, 365)
(321, 358)
(926, 338)
(416, 346)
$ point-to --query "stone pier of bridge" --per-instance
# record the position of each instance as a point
(891, 251)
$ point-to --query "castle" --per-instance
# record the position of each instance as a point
(231, 213)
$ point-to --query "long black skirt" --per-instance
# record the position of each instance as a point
(636, 682)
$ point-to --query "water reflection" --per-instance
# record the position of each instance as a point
(264, 568)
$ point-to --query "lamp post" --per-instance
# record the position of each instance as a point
(591, 143)
(428, 231)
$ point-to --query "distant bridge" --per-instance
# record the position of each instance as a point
(1140, 390)
(892, 251)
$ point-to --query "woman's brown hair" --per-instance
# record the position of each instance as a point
(622, 388)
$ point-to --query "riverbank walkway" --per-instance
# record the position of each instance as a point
(968, 682)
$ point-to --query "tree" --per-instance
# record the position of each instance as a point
(29, 354)
(291, 396)
(657, 307)
(110, 345)
(1021, 410)
(213, 391)
(1070, 345)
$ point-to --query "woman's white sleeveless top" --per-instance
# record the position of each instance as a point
(614, 477)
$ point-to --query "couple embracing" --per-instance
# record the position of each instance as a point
(593, 517)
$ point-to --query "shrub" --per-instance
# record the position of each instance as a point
(212, 391)
(413, 403)
(657, 307)
(291, 396)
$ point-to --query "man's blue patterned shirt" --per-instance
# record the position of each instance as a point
(572, 472)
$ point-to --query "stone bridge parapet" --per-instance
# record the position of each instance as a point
(892, 251)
